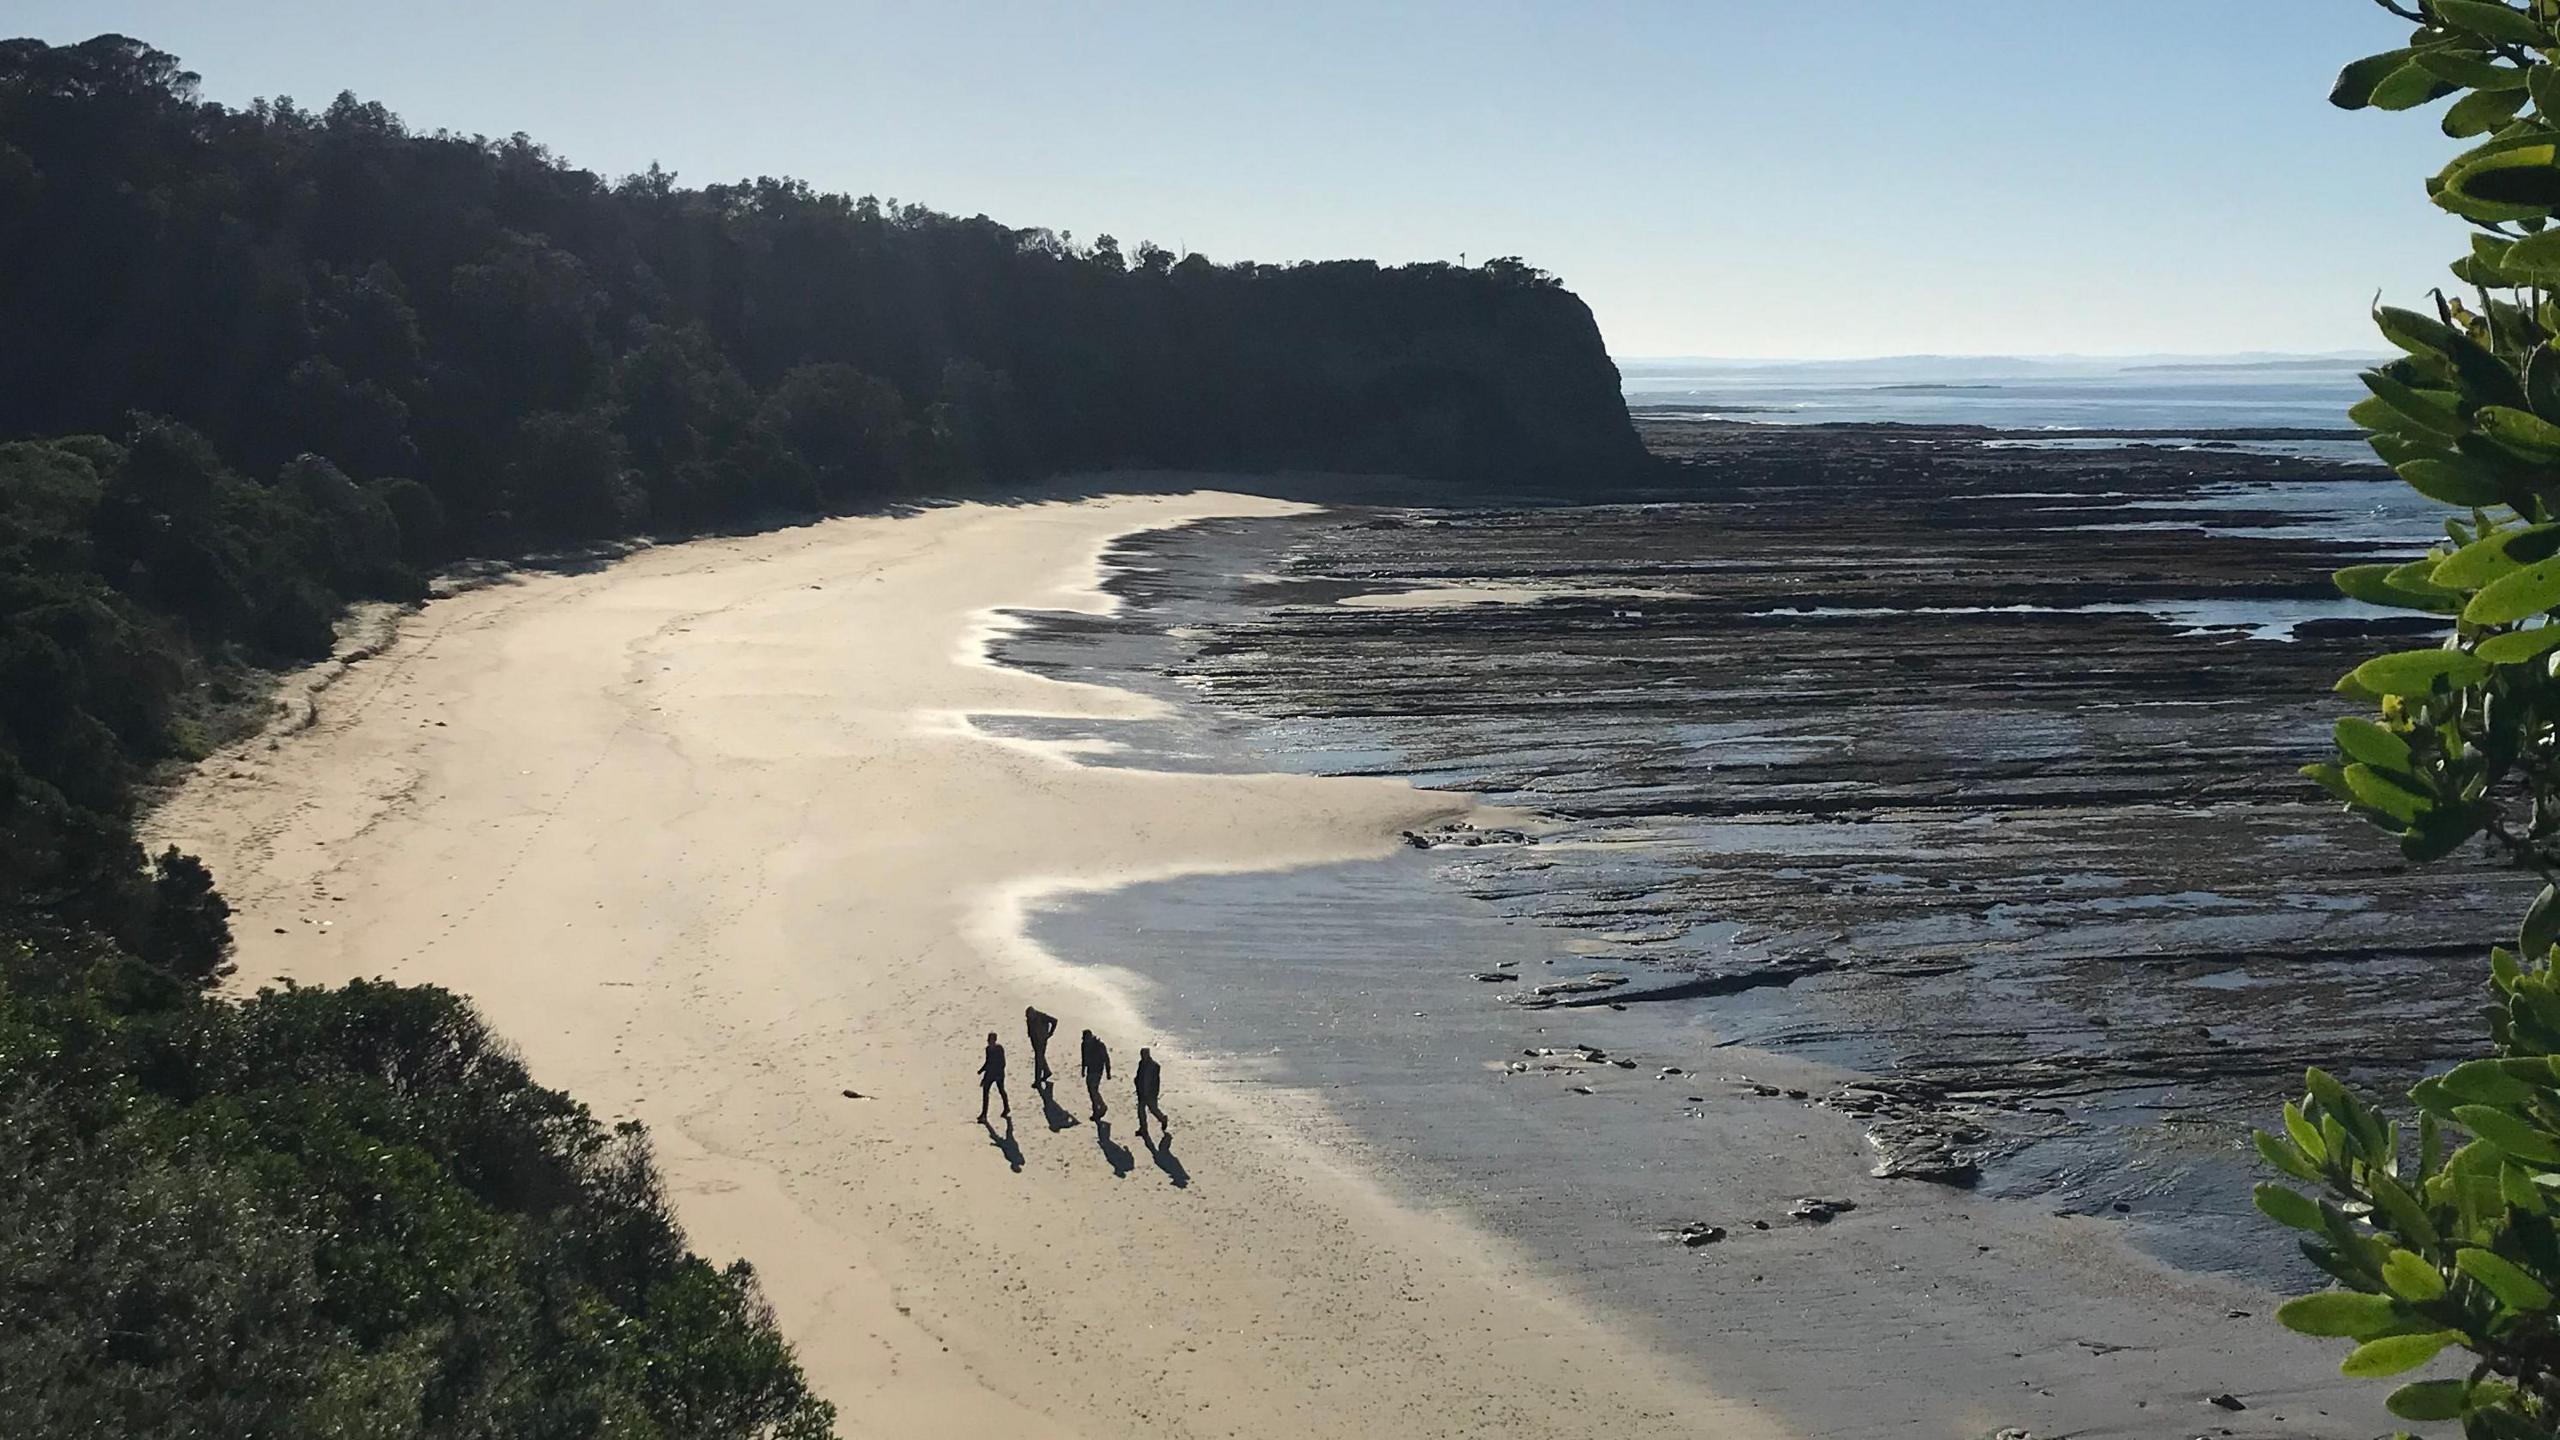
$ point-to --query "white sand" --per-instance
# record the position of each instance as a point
(709, 835)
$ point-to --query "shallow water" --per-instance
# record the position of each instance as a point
(2006, 393)
(2042, 857)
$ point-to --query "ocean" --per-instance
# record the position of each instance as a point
(2154, 394)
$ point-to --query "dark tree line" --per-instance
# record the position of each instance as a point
(553, 356)
(257, 363)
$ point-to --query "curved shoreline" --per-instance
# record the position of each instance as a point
(697, 831)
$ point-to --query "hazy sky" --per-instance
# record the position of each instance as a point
(1780, 178)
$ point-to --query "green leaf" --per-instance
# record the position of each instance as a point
(2401, 1208)
(2491, 556)
(2518, 646)
(2412, 1278)
(2534, 937)
(2288, 1206)
(2373, 585)
(2378, 791)
(2516, 595)
(2487, 261)
(2409, 87)
(2470, 71)
(2435, 410)
(2305, 1134)
(2521, 431)
(2484, 1082)
(2417, 576)
(2510, 1133)
(2418, 672)
(2331, 778)
(2287, 1159)
(2395, 1354)
(2485, 378)
(2542, 376)
(2542, 82)
(2439, 833)
(2351, 1314)
(2517, 183)
(2533, 255)
(2503, 1278)
(2381, 419)
(2516, 1187)
(2372, 744)
(2429, 1399)
(2492, 22)
(2420, 335)
(2355, 84)
(2452, 482)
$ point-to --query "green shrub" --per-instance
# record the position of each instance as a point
(2445, 1240)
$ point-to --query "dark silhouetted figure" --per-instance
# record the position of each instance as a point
(1097, 1068)
(991, 1077)
(1041, 1025)
(1150, 1080)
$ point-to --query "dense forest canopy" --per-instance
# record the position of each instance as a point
(257, 363)
(551, 355)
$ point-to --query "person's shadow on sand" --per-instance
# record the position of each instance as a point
(1161, 1151)
(1052, 1111)
(1003, 1141)
(1122, 1162)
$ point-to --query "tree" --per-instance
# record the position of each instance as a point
(565, 477)
(850, 429)
(2454, 1243)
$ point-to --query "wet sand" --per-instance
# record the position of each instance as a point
(711, 833)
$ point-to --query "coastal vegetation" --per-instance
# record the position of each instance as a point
(258, 363)
(2452, 1242)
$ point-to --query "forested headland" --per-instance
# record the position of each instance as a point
(257, 363)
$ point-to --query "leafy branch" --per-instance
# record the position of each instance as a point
(2451, 1244)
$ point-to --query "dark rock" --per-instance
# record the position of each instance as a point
(1584, 985)
(2225, 1401)
(1587, 1054)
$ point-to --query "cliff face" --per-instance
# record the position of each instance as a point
(1516, 385)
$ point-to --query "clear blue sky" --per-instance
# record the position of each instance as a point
(1782, 178)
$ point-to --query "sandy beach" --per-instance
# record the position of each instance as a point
(708, 832)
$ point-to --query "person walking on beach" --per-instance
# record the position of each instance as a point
(991, 1078)
(1041, 1026)
(1150, 1079)
(1097, 1068)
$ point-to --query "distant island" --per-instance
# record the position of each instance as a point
(2313, 362)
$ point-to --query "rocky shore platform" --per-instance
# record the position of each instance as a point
(1964, 764)
(1909, 901)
